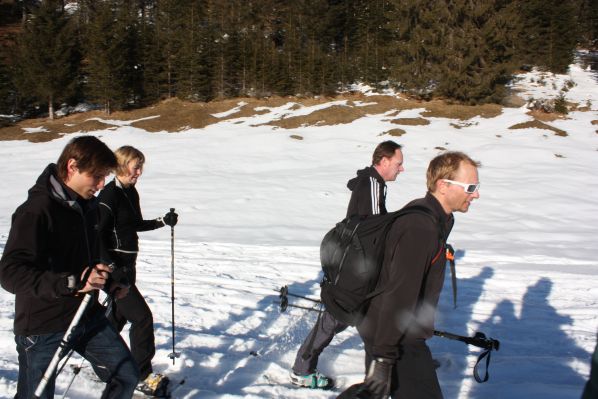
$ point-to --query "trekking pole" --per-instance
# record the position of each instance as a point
(172, 355)
(284, 301)
(62, 346)
(76, 369)
(481, 341)
(284, 291)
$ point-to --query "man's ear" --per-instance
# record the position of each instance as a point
(441, 186)
(71, 168)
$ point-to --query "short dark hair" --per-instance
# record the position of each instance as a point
(385, 149)
(91, 155)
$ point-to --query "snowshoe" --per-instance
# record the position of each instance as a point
(155, 385)
(313, 381)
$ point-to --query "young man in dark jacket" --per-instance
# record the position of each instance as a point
(401, 318)
(50, 261)
(368, 197)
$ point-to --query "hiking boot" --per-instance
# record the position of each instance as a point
(154, 385)
(313, 381)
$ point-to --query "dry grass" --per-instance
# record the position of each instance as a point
(411, 121)
(440, 109)
(546, 116)
(536, 124)
(174, 115)
(595, 122)
(394, 132)
(334, 115)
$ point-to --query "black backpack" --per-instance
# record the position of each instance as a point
(351, 255)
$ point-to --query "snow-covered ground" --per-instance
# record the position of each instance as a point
(254, 203)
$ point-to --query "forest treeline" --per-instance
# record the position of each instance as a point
(132, 53)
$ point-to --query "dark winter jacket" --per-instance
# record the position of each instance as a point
(121, 219)
(405, 310)
(368, 196)
(51, 236)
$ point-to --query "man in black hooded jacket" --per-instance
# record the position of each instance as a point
(368, 197)
(49, 263)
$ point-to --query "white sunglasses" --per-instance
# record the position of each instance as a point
(469, 188)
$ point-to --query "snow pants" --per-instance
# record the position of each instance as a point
(135, 310)
(318, 339)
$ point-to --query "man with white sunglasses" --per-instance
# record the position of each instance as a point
(400, 319)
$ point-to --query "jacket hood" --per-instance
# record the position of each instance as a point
(364, 173)
(48, 184)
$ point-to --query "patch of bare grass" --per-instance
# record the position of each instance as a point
(595, 122)
(394, 132)
(334, 115)
(546, 116)
(411, 121)
(536, 124)
(440, 109)
(174, 115)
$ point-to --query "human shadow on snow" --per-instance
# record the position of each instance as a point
(534, 348)
(237, 361)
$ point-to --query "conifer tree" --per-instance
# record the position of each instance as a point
(7, 91)
(194, 63)
(47, 57)
(108, 65)
(588, 22)
(550, 33)
(421, 36)
(479, 53)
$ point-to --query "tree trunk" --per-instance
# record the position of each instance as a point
(51, 107)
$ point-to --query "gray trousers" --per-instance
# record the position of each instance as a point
(319, 338)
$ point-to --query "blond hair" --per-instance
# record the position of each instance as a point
(126, 154)
(445, 165)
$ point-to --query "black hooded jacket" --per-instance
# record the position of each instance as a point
(412, 277)
(368, 193)
(51, 237)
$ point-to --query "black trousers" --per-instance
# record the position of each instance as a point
(135, 310)
(414, 374)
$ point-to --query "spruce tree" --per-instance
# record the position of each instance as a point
(194, 64)
(479, 53)
(47, 57)
(106, 52)
(421, 39)
(7, 90)
(550, 33)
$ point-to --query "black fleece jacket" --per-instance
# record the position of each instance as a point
(368, 193)
(121, 219)
(411, 283)
(52, 236)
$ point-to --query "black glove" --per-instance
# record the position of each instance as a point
(171, 218)
(378, 379)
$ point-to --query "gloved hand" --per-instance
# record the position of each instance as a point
(171, 218)
(378, 379)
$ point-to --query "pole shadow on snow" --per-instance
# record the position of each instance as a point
(534, 349)
(239, 360)
(452, 355)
